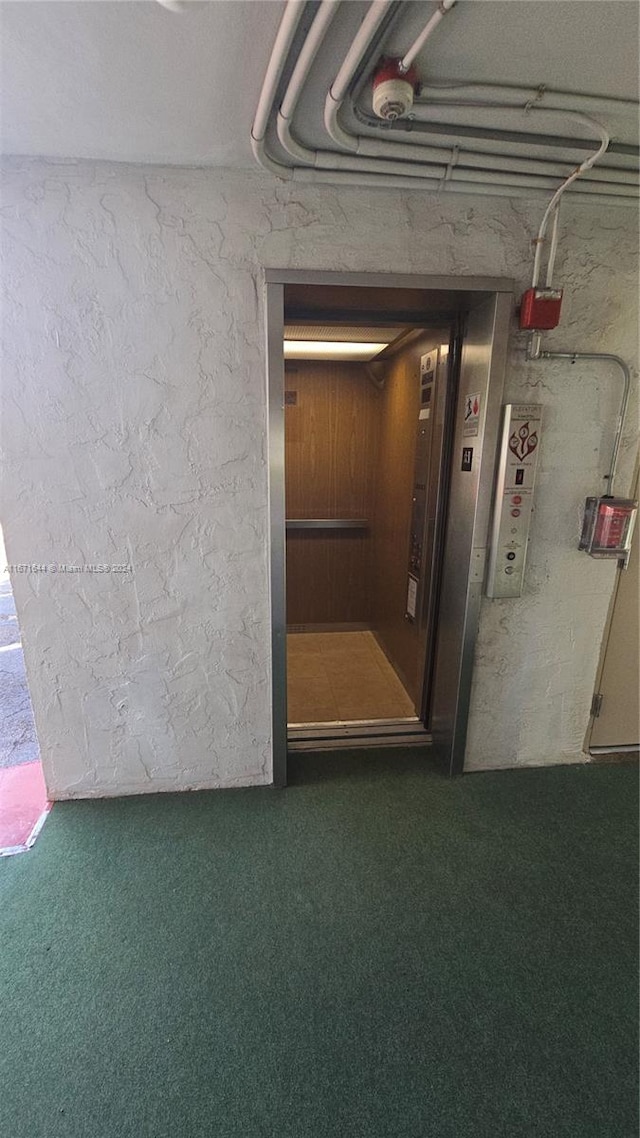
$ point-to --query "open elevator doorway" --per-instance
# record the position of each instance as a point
(367, 423)
(381, 479)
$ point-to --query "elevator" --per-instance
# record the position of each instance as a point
(380, 482)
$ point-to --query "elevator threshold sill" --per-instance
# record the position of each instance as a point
(615, 749)
(410, 723)
(340, 742)
(366, 731)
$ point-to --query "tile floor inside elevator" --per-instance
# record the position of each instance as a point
(333, 676)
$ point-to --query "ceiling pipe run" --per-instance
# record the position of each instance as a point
(489, 135)
(374, 156)
(354, 57)
(475, 165)
(374, 148)
(369, 159)
(280, 51)
(539, 96)
(483, 158)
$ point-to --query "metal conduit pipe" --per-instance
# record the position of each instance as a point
(432, 171)
(603, 357)
(378, 180)
(490, 135)
(307, 55)
(625, 176)
(389, 181)
(363, 146)
(553, 204)
(540, 96)
(396, 181)
(329, 160)
(387, 177)
(431, 175)
(553, 248)
(369, 145)
(370, 159)
(476, 167)
(583, 120)
(369, 148)
(279, 53)
(284, 38)
(443, 7)
(338, 89)
(382, 158)
(324, 15)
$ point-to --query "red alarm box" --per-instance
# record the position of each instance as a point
(607, 527)
(540, 309)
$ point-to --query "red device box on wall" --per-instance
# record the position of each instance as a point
(540, 309)
(607, 527)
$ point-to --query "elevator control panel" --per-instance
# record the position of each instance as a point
(513, 503)
(428, 367)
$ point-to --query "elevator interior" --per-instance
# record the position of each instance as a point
(367, 416)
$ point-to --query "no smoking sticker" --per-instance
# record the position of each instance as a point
(472, 405)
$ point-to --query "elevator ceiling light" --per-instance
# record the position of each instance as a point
(344, 333)
(331, 350)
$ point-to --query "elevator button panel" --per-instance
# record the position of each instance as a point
(428, 367)
(513, 502)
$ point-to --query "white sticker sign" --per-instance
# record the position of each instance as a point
(472, 405)
(428, 366)
(412, 596)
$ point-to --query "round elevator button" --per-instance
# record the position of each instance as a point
(511, 556)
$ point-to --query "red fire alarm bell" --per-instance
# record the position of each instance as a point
(540, 309)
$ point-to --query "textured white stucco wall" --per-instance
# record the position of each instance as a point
(134, 431)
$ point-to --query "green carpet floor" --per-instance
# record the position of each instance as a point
(373, 952)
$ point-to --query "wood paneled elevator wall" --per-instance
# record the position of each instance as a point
(331, 432)
(397, 438)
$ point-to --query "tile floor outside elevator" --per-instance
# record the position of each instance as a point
(333, 676)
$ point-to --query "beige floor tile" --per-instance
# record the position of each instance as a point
(342, 675)
(296, 646)
(307, 667)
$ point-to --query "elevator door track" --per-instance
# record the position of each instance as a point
(358, 733)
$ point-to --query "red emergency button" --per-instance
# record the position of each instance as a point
(517, 498)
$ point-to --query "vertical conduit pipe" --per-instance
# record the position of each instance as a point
(277, 60)
(604, 357)
(443, 7)
(352, 60)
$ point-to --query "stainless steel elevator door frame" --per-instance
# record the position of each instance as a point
(469, 495)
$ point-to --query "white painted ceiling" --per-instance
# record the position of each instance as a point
(130, 81)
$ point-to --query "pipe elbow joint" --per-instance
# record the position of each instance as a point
(293, 148)
(332, 126)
